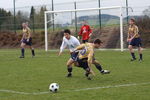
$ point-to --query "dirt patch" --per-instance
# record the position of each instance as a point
(109, 35)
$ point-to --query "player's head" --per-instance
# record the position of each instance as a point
(84, 22)
(97, 43)
(24, 25)
(67, 33)
(132, 21)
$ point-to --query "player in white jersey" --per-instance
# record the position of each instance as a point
(71, 43)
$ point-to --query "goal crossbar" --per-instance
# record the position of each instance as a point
(87, 9)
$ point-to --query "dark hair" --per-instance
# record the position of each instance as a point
(97, 41)
(67, 31)
(132, 19)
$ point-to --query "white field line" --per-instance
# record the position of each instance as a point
(75, 90)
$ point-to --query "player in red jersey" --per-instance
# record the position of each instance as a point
(85, 32)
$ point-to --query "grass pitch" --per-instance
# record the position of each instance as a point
(29, 78)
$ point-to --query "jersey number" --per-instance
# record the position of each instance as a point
(83, 52)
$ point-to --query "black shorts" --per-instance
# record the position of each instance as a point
(27, 42)
(136, 42)
(83, 63)
(84, 41)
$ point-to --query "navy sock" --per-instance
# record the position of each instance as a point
(99, 67)
(69, 69)
(33, 53)
(141, 56)
(133, 55)
(22, 51)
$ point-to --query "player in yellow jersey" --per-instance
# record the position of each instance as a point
(86, 57)
(134, 40)
(26, 40)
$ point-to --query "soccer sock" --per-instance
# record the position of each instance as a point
(99, 67)
(133, 55)
(33, 53)
(141, 56)
(69, 69)
(22, 51)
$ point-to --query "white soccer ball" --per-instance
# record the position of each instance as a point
(54, 87)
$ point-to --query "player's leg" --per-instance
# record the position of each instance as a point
(139, 45)
(140, 53)
(31, 47)
(99, 67)
(69, 67)
(130, 47)
(84, 64)
(32, 51)
(22, 49)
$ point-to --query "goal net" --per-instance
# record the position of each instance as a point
(106, 24)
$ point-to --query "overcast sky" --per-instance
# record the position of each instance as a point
(138, 5)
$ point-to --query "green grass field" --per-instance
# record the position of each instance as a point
(29, 78)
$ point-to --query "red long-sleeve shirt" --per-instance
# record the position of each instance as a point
(85, 31)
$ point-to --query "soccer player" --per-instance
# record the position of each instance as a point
(86, 57)
(85, 32)
(26, 40)
(134, 40)
(71, 42)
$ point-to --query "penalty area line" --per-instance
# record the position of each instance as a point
(75, 90)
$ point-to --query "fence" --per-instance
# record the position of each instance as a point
(32, 11)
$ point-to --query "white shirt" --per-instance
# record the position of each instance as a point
(71, 44)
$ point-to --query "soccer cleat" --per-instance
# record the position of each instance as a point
(89, 78)
(69, 75)
(140, 60)
(87, 75)
(21, 57)
(33, 56)
(105, 72)
(133, 59)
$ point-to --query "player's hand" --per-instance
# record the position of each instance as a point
(92, 72)
(78, 37)
(128, 40)
(27, 40)
(90, 34)
(21, 40)
(84, 31)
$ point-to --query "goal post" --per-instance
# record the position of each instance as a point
(52, 13)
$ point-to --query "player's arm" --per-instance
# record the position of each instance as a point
(62, 47)
(90, 59)
(80, 33)
(23, 36)
(80, 47)
(135, 33)
(29, 31)
(128, 36)
(90, 31)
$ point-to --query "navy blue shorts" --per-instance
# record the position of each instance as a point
(27, 42)
(74, 56)
(83, 63)
(136, 42)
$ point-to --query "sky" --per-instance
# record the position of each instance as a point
(137, 5)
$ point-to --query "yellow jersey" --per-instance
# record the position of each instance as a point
(133, 30)
(86, 51)
(26, 33)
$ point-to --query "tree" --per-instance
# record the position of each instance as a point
(5, 19)
(147, 12)
(32, 16)
(40, 17)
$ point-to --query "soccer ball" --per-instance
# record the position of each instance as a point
(54, 87)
